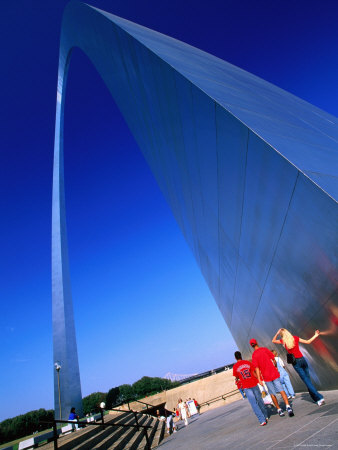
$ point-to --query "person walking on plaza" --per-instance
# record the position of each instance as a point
(284, 376)
(296, 358)
(264, 362)
(171, 427)
(244, 371)
(183, 410)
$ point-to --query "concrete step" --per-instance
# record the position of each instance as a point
(124, 439)
(69, 441)
(159, 434)
(134, 443)
(64, 440)
(113, 433)
(118, 438)
(155, 438)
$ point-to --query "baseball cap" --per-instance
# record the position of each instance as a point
(253, 342)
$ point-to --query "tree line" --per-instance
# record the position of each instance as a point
(29, 423)
(126, 393)
(25, 424)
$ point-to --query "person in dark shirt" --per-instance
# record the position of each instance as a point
(74, 417)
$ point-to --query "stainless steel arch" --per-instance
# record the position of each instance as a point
(249, 170)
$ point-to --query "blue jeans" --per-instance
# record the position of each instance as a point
(255, 398)
(274, 386)
(242, 392)
(302, 368)
(286, 383)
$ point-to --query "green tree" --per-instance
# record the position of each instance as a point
(113, 397)
(126, 393)
(25, 424)
(151, 385)
(143, 386)
(91, 403)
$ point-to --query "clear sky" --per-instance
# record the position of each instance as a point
(141, 306)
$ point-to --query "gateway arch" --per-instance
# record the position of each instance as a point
(249, 171)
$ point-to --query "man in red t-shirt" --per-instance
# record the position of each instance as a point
(244, 372)
(264, 361)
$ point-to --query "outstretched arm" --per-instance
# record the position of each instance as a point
(274, 339)
(308, 341)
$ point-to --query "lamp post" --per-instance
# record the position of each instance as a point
(102, 406)
(57, 366)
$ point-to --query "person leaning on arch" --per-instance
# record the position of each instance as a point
(296, 358)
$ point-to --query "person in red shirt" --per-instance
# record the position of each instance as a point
(244, 372)
(264, 361)
(197, 405)
(291, 344)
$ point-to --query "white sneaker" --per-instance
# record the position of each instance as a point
(321, 402)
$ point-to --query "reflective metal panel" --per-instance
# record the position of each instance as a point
(249, 170)
(269, 184)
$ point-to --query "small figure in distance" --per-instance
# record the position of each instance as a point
(158, 415)
(183, 410)
(173, 415)
(296, 358)
(187, 407)
(198, 407)
(245, 372)
(265, 364)
(73, 417)
(171, 427)
(284, 376)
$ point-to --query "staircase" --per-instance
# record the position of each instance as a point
(114, 437)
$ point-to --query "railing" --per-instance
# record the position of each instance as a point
(102, 425)
(220, 397)
(148, 405)
(143, 403)
(136, 419)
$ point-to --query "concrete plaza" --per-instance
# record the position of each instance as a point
(235, 426)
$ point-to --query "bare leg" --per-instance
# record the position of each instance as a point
(285, 398)
(274, 399)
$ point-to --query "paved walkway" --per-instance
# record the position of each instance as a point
(234, 426)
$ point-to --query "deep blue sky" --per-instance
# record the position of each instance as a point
(141, 305)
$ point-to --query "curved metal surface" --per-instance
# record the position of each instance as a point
(249, 170)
